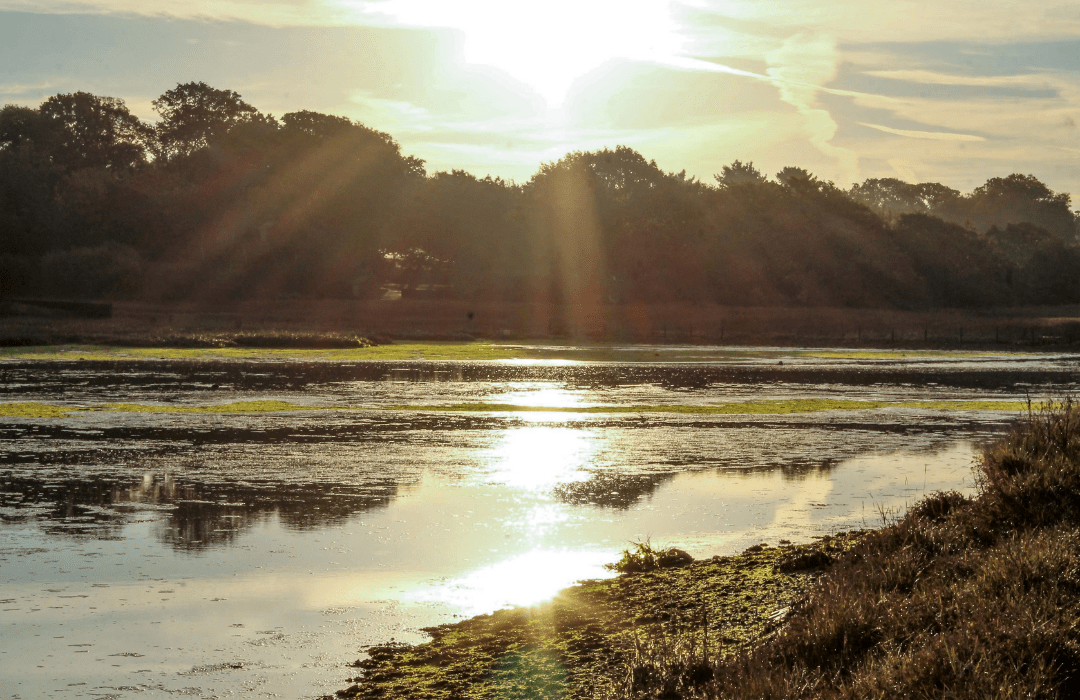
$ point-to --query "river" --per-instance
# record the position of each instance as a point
(148, 553)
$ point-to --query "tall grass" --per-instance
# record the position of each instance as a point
(960, 598)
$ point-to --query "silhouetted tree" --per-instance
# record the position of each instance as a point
(81, 130)
(193, 114)
(1022, 198)
(739, 173)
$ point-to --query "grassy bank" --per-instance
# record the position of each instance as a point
(960, 598)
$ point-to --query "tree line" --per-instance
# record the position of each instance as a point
(218, 201)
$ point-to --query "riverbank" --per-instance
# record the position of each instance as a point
(579, 644)
(959, 598)
(350, 323)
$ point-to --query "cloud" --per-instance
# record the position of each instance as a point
(900, 20)
(798, 67)
(18, 89)
(931, 135)
(928, 77)
(274, 13)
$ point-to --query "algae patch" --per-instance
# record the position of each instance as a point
(779, 407)
(237, 407)
(30, 409)
(907, 354)
(404, 351)
(42, 410)
(578, 644)
(474, 351)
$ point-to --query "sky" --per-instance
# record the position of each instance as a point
(953, 92)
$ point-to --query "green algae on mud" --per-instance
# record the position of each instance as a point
(577, 644)
(236, 407)
(404, 351)
(779, 407)
(43, 410)
(473, 351)
(33, 409)
(907, 354)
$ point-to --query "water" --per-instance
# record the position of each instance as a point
(228, 555)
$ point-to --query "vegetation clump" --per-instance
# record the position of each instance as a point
(579, 644)
(958, 599)
(646, 557)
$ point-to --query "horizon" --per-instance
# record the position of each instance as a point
(952, 95)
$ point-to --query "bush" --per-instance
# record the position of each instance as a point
(958, 599)
(645, 557)
(108, 270)
(19, 275)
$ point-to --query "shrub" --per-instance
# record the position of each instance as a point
(107, 270)
(958, 599)
(645, 557)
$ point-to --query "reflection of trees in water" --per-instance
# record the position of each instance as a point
(205, 515)
(192, 516)
(70, 508)
(612, 488)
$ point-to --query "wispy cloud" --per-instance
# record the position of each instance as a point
(928, 77)
(798, 67)
(931, 135)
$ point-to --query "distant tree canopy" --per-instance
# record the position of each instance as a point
(217, 200)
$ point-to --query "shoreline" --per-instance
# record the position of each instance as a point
(577, 644)
(348, 323)
(958, 597)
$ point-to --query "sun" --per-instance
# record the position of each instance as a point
(548, 44)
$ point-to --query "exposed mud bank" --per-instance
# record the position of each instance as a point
(578, 644)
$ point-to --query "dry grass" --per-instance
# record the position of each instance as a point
(958, 599)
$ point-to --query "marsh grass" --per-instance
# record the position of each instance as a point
(958, 598)
(643, 556)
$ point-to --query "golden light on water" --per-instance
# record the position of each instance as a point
(524, 579)
(544, 396)
(538, 458)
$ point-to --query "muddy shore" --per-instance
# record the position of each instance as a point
(581, 644)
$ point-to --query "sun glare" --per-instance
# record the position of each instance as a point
(542, 396)
(548, 45)
(525, 579)
(538, 458)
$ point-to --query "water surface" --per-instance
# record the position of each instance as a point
(231, 555)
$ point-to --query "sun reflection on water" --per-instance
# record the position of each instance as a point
(538, 458)
(542, 396)
(525, 579)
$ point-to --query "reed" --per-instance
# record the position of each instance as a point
(959, 598)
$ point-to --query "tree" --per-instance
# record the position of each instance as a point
(194, 114)
(318, 125)
(800, 181)
(1022, 198)
(81, 130)
(739, 173)
(19, 126)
